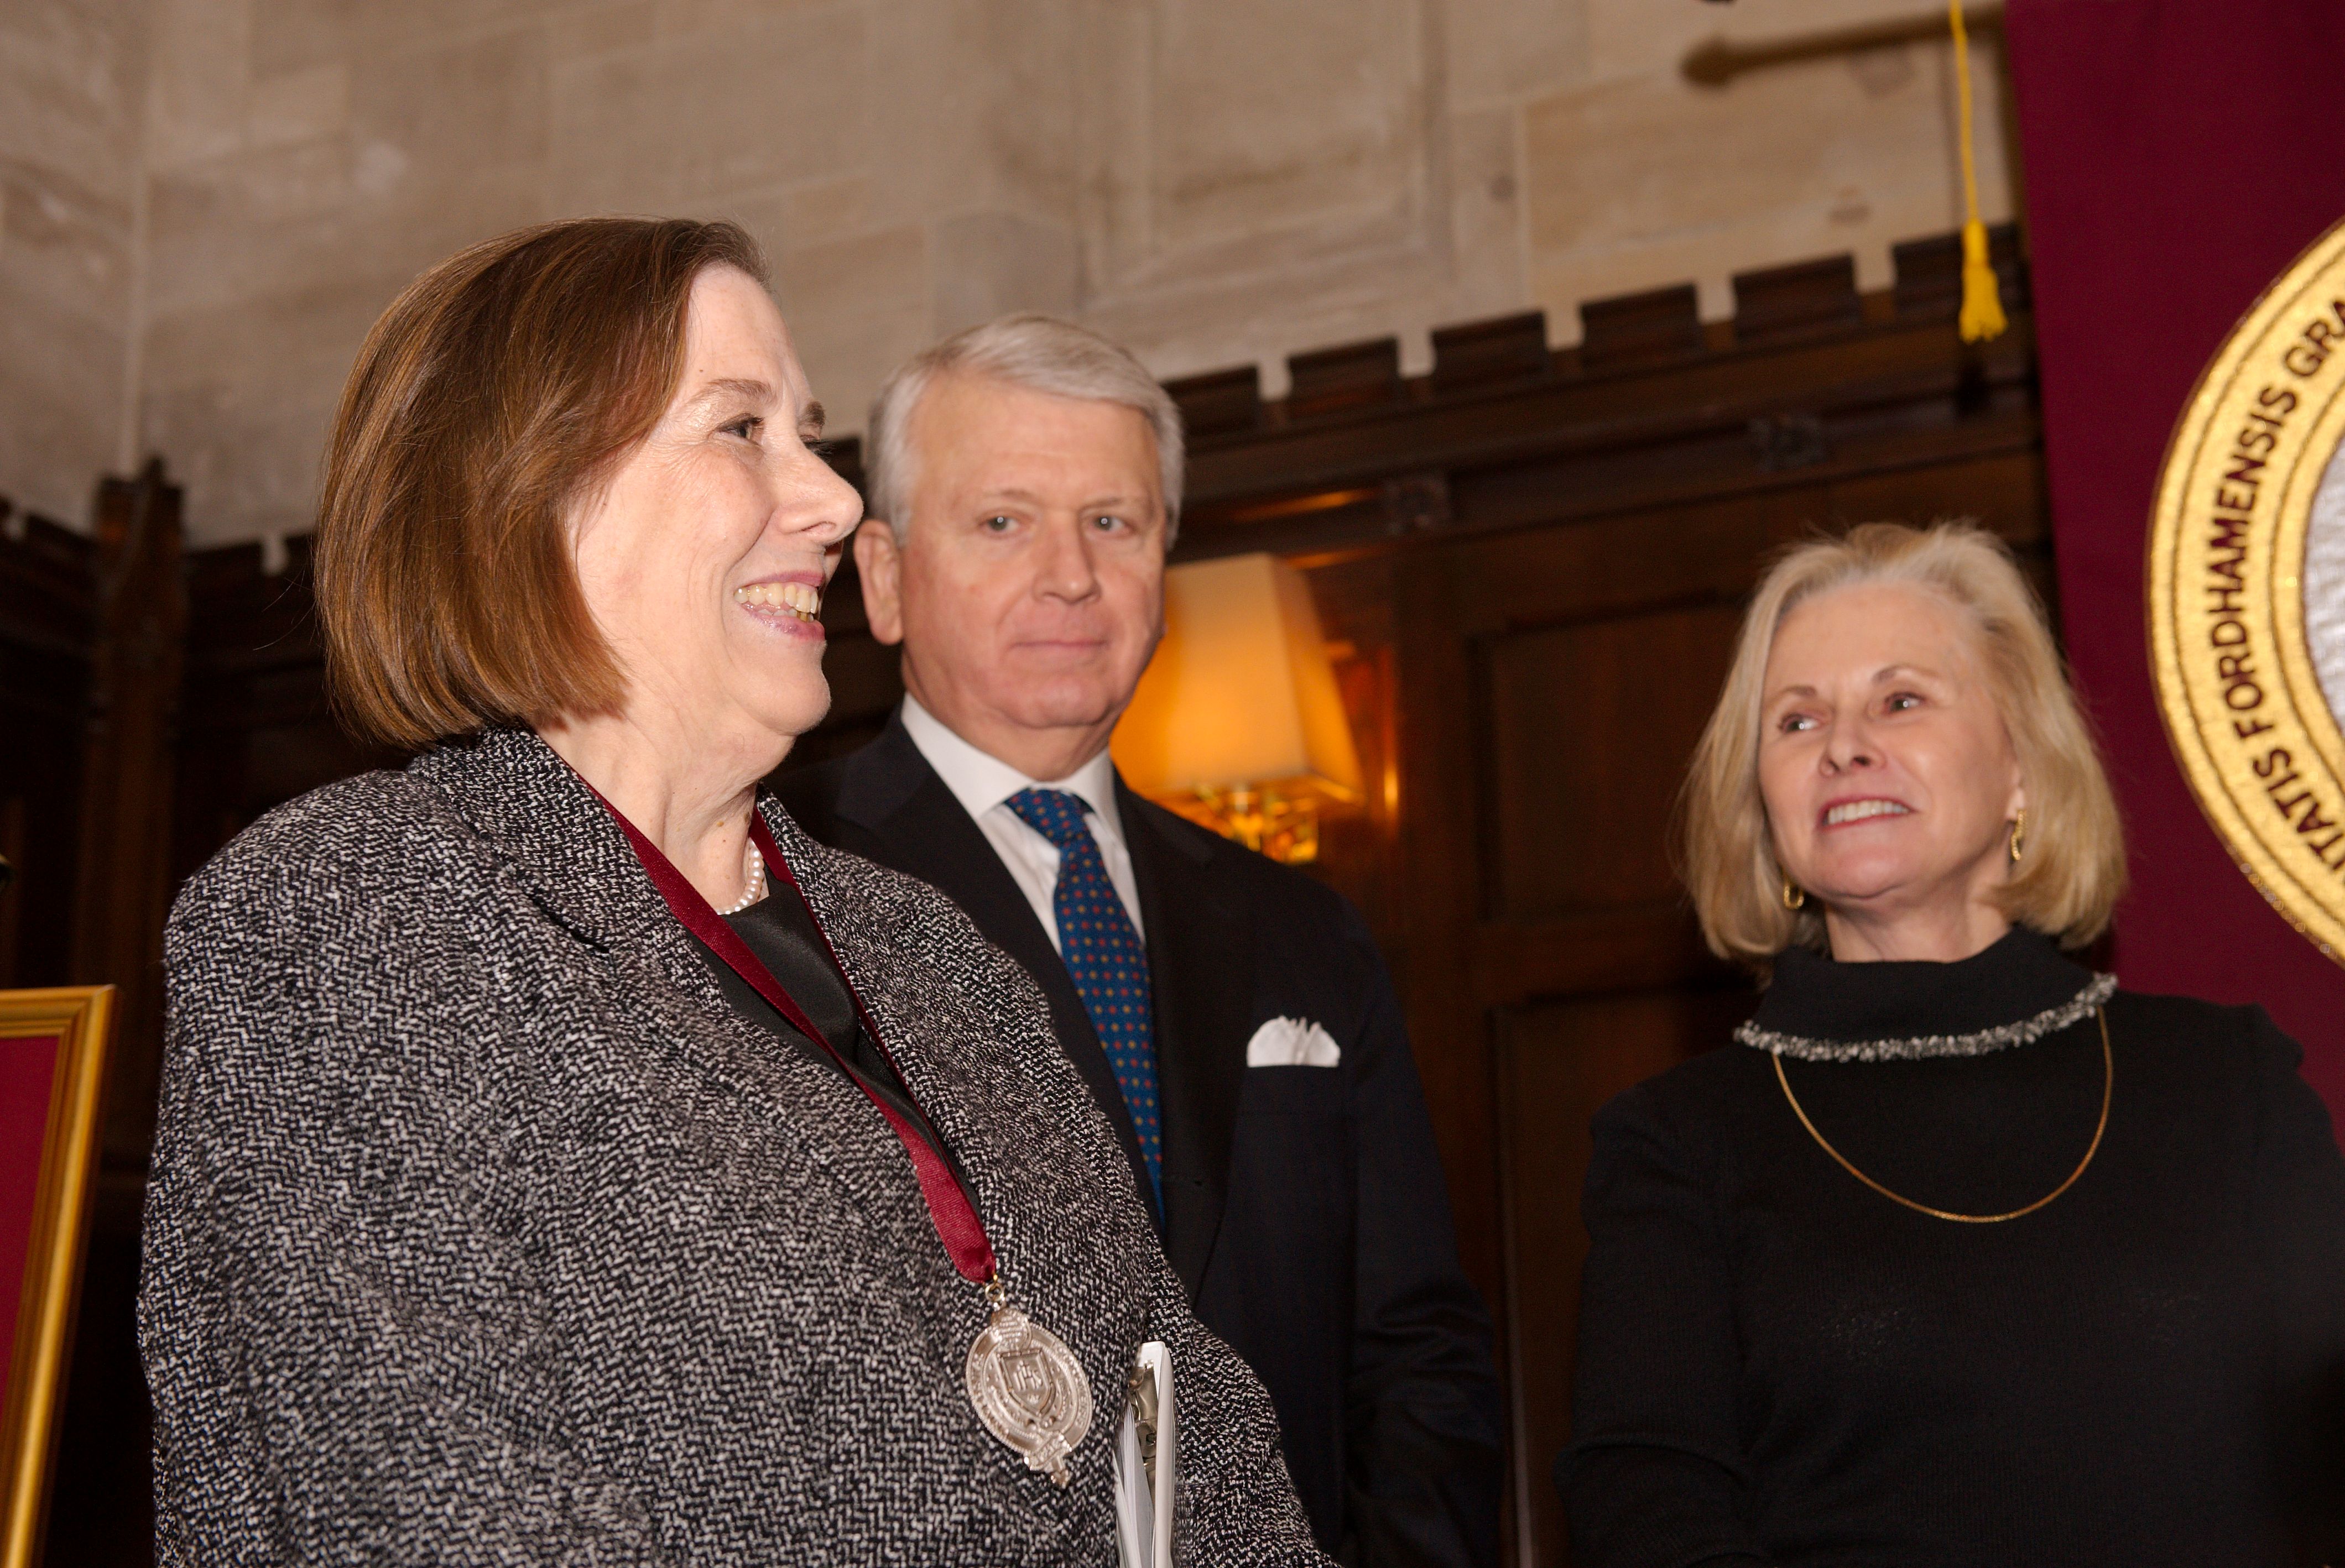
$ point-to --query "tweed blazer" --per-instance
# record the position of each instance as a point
(482, 1229)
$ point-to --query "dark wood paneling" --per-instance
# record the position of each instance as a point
(1782, 302)
(100, 1505)
(1479, 355)
(123, 878)
(1359, 846)
(1336, 381)
(1875, 398)
(1587, 731)
(1220, 402)
(47, 631)
(1656, 328)
(1554, 1063)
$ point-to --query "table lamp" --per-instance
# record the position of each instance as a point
(1237, 724)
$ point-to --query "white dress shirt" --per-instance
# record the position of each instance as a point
(983, 784)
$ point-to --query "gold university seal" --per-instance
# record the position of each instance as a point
(2247, 592)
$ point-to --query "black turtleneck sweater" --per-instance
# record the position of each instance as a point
(1779, 1365)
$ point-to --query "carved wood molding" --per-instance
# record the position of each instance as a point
(125, 883)
(1808, 380)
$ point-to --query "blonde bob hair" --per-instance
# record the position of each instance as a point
(2074, 867)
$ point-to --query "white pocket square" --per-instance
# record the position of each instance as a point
(1293, 1043)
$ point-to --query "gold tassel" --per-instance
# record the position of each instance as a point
(1982, 317)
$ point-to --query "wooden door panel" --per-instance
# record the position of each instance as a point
(1619, 566)
(2004, 492)
(1556, 1063)
(1589, 726)
(1605, 951)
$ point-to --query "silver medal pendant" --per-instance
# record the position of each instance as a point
(1029, 1389)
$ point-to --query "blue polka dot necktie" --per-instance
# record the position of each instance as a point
(1104, 958)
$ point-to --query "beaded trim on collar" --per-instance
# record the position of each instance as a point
(1917, 1048)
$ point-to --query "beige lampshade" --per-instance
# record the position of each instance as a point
(1241, 692)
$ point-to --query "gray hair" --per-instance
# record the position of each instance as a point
(1039, 352)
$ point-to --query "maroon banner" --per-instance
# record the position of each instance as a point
(2179, 154)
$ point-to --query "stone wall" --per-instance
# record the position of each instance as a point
(1215, 181)
(71, 72)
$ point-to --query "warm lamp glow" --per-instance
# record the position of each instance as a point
(1237, 720)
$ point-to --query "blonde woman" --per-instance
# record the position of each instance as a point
(1961, 1255)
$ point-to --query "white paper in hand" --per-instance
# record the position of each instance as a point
(1146, 1463)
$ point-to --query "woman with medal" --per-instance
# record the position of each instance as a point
(562, 1156)
(1960, 1255)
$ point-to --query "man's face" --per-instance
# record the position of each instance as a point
(1028, 589)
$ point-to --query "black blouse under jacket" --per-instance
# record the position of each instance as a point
(1778, 1364)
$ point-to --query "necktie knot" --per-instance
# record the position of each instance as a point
(1056, 814)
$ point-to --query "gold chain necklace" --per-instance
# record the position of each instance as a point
(2109, 1083)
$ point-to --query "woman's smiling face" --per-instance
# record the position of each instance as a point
(703, 556)
(1888, 774)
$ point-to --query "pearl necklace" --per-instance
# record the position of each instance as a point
(754, 868)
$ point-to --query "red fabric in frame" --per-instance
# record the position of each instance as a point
(2179, 155)
(28, 1075)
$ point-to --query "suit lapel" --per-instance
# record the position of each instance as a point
(564, 851)
(1200, 968)
(889, 790)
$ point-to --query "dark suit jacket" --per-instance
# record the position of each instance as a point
(1306, 1209)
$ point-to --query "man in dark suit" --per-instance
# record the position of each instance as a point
(1231, 1015)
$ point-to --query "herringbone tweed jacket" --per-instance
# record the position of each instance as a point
(482, 1231)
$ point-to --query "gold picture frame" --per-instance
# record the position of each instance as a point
(2246, 647)
(79, 1018)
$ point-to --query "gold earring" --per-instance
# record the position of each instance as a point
(2018, 835)
(1794, 896)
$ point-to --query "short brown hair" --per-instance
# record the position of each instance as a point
(2074, 867)
(499, 388)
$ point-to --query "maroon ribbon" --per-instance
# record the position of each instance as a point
(954, 1216)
